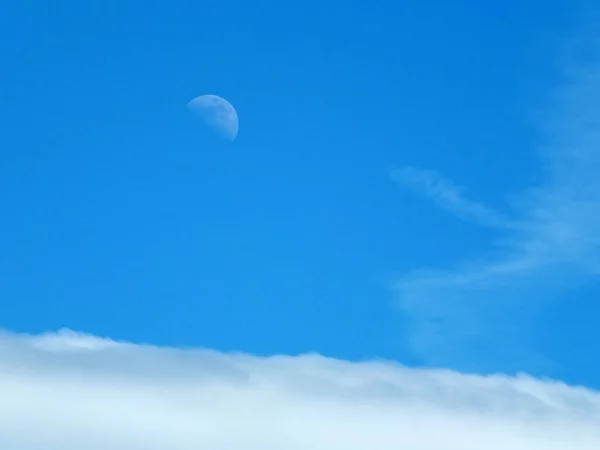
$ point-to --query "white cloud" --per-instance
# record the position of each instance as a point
(68, 391)
(479, 315)
(448, 196)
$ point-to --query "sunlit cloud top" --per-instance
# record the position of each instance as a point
(72, 391)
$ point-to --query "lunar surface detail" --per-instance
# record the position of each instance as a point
(217, 113)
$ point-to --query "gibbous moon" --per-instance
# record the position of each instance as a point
(217, 113)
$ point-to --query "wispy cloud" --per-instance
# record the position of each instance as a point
(478, 315)
(69, 391)
(448, 196)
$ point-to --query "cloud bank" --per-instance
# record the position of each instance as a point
(479, 315)
(68, 391)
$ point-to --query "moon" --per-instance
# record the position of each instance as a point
(217, 113)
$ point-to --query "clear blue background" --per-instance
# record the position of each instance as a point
(121, 215)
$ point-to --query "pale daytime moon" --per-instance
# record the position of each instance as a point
(217, 113)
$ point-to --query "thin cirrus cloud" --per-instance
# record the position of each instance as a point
(71, 391)
(479, 315)
(448, 196)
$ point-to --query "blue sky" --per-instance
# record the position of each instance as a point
(412, 181)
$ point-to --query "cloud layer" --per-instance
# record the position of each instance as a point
(67, 391)
(479, 315)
